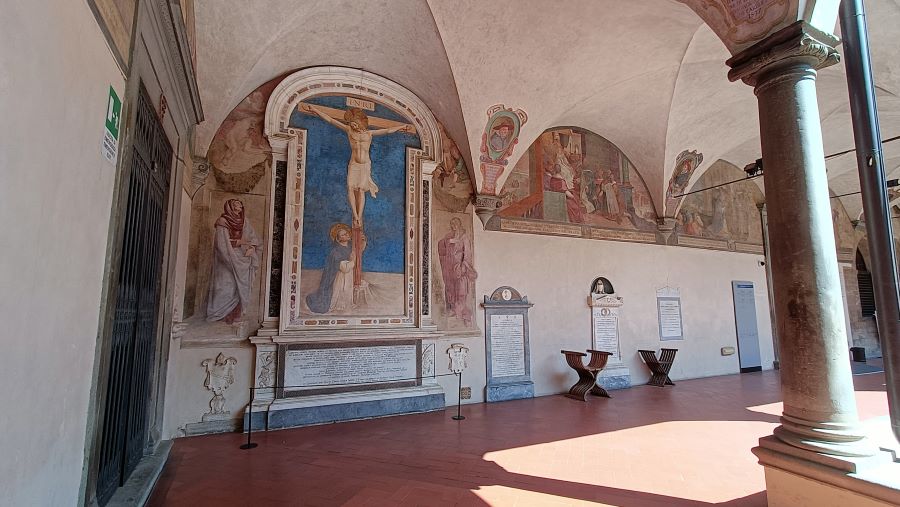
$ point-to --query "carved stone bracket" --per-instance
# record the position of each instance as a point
(486, 207)
(666, 226)
(797, 41)
(199, 172)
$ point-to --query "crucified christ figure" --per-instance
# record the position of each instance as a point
(359, 169)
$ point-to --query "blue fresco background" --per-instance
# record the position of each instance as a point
(327, 155)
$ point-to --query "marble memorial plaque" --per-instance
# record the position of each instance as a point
(669, 318)
(606, 331)
(507, 345)
(316, 369)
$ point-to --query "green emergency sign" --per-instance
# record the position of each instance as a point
(113, 113)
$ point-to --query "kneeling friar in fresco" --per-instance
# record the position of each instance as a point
(335, 292)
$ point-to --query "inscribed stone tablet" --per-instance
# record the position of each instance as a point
(669, 318)
(507, 345)
(313, 368)
(606, 332)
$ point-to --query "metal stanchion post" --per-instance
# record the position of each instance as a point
(249, 444)
(458, 416)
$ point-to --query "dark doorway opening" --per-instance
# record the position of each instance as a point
(123, 439)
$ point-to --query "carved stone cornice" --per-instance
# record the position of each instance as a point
(797, 41)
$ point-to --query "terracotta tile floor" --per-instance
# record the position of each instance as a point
(684, 445)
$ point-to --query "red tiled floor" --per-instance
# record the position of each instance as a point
(546, 451)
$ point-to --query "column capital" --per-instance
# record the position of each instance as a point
(799, 41)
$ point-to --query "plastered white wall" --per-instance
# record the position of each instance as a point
(556, 273)
(55, 200)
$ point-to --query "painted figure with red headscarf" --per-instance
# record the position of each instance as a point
(235, 262)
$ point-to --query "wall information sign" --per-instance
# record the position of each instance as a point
(109, 146)
(668, 305)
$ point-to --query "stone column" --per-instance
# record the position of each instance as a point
(764, 224)
(819, 406)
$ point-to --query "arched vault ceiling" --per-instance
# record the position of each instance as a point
(720, 119)
(605, 65)
(241, 45)
(646, 74)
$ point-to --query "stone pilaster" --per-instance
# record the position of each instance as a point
(819, 406)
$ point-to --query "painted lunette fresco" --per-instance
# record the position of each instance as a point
(571, 175)
(726, 212)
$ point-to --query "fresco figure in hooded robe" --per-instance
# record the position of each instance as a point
(335, 292)
(235, 262)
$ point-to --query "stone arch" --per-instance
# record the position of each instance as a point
(324, 80)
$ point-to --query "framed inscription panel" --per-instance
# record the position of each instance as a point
(668, 306)
(306, 369)
(507, 345)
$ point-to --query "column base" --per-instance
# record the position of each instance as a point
(796, 477)
(829, 438)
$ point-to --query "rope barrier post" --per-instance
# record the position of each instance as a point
(458, 416)
(249, 444)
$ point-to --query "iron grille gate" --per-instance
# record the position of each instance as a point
(134, 323)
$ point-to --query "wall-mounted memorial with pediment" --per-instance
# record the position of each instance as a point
(605, 307)
(348, 305)
(507, 347)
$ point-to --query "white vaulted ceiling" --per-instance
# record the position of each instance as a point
(241, 45)
(648, 75)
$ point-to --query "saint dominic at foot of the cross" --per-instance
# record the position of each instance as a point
(359, 168)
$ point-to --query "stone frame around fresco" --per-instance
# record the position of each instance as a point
(290, 144)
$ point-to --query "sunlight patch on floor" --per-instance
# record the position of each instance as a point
(670, 459)
(869, 404)
(503, 495)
